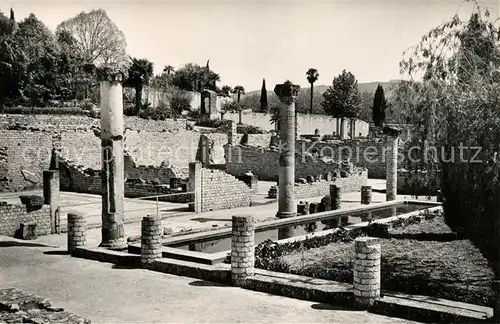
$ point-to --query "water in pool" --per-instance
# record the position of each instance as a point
(224, 243)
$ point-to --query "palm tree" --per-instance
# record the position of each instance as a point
(139, 74)
(226, 90)
(312, 76)
(168, 69)
(239, 90)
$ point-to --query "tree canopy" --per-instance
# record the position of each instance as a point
(97, 37)
(342, 98)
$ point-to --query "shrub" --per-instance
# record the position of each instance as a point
(250, 129)
(212, 123)
(86, 105)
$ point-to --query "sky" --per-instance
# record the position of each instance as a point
(247, 41)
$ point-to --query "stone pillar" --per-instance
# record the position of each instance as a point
(77, 235)
(240, 117)
(287, 93)
(338, 125)
(242, 249)
(112, 167)
(151, 231)
(336, 196)
(366, 195)
(366, 272)
(194, 186)
(232, 133)
(342, 129)
(391, 168)
(353, 128)
(297, 131)
(51, 197)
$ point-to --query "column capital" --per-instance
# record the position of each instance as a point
(287, 92)
(112, 73)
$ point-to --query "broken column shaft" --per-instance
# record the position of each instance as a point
(287, 93)
(112, 167)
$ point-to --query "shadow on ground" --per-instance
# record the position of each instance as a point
(322, 306)
(57, 252)
(25, 244)
(122, 267)
(203, 283)
(204, 220)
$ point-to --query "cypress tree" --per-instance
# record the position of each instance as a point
(12, 14)
(263, 96)
(379, 106)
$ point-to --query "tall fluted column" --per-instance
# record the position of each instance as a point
(287, 93)
(112, 167)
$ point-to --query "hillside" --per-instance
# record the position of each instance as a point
(363, 87)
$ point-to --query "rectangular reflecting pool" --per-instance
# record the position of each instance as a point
(223, 243)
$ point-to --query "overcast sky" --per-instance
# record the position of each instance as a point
(247, 41)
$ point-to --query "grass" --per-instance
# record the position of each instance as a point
(453, 270)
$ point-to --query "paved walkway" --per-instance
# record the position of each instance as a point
(107, 294)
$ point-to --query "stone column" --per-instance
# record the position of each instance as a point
(287, 93)
(391, 168)
(232, 133)
(151, 231)
(366, 272)
(112, 167)
(342, 128)
(194, 186)
(242, 249)
(240, 117)
(77, 235)
(336, 196)
(297, 131)
(51, 197)
(338, 122)
(366, 195)
(353, 128)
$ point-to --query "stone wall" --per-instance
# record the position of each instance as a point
(69, 122)
(263, 162)
(366, 153)
(220, 190)
(23, 156)
(307, 123)
(351, 183)
(12, 215)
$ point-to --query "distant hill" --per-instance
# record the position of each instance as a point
(363, 87)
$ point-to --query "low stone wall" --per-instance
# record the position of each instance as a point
(12, 215)
(351, 183)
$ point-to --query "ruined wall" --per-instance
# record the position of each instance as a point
(69, 122)
(220, 190)
(12, 215)
(350, 183)
(307, 123)
(263, 162)
(23, 156)
(366, 153)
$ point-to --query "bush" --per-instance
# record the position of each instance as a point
(86, 105)
(250, 129)
(45, 111)
(212, 123)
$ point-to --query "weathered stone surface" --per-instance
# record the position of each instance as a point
(17, 306)
(29, 176)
